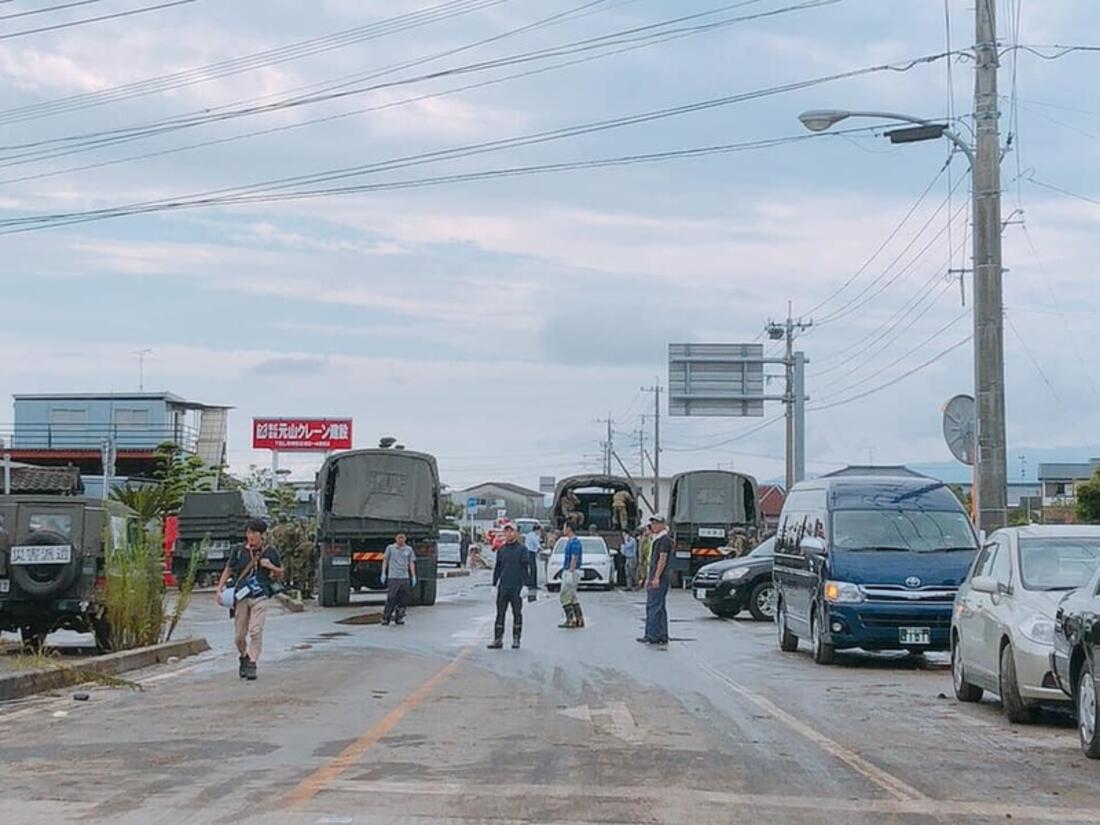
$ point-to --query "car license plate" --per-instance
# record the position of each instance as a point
(700, 593)
(712, 533)
(683, 554)
(915, 635)
(215, 554)
(5, 586)
(41, 554)
(341, 561)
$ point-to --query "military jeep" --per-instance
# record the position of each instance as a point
(52, 564)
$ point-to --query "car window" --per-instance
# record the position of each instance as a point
(449, 536)
(1058, 563)
(53, 522)
(912, 530)
(590, 545)
(1001, 569)
(985, 559)
(765, 548)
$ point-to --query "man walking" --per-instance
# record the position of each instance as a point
(656, 585)
(251, 566)
(629, 551)
(533, 541)
(398, 573)
(513, 569)
(571, 579)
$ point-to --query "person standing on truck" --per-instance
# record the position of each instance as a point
(398, 571)
(570, 509)
(619, 504)
(656, 611)
(533, 543)
(251, 566)
(571, 579)
(510, 573)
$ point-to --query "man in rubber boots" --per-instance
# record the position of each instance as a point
(510, 573)
(571, 579)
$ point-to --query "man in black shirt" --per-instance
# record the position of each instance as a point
(656, 585)
(252, 567)
(512, 571)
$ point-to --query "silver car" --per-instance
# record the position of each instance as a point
(1002, 629)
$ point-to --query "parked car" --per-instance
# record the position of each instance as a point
(449, 548)
(1075, 659)
(872, 562)
(729, 586)
(596, 565)
(1002, 633)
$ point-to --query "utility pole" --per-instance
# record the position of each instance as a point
(141, 353)
(794, 396)
(656, 389)
(989, 387)
(609, 445)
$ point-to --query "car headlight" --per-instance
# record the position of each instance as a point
(842, 593)
(1038, 628)
(736, 574)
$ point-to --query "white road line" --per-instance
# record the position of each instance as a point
(888, 782)
(951, 810)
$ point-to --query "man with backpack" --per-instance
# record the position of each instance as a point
(252, 568)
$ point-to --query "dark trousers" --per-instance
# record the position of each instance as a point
(397, 593)
(534, 583)
(656, 614)
(506, 599)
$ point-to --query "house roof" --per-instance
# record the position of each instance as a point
(27, 479)
(505, 485)
(1078, 470)
(771, 498)
(169, 397)
(896, 471)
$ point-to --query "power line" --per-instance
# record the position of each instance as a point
(86, 20)
(744, 434)
(45, 9)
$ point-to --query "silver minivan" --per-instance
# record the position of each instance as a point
(1002, 630)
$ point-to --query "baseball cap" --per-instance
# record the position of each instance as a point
(508, 525)
(657, 519)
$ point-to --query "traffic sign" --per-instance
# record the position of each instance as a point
(471, 504)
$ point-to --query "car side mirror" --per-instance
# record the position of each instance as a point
(985, 584)
(811, 544)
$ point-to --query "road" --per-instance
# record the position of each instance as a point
(422, 724)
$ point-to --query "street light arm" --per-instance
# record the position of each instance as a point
(820, 120)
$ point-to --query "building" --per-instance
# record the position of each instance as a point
(1059, 480)
(81, 429)
(770, 498)
(500, 499)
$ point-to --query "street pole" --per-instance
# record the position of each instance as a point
(799, 416)
(7, 467)
(989, 390)
(794, 396)
(657, 389)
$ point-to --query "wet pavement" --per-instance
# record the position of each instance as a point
(421, 724)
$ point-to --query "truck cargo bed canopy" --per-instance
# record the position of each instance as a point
(382, 485)
(710, 497)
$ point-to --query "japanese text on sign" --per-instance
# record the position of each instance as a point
(301, 434)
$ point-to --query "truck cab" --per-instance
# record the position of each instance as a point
(364, 499)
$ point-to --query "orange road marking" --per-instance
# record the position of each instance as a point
(353, 753)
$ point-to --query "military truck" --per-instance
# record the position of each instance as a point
(705, 509)
(220, 517)
(52, 564)
(364, 498)
(594, 495)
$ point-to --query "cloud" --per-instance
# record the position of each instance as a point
(292, 366)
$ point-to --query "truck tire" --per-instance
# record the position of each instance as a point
(331, 594)
(34, 636)
(426, 593)
(45, 580)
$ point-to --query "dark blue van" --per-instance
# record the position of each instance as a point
(870, 562)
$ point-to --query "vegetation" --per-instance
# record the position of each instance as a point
(1088, 500)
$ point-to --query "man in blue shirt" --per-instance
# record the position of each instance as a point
(629, 550)
(571, 579)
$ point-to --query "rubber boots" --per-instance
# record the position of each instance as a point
(498, 638)
(578, 616)
(515, 639)
(570, 616)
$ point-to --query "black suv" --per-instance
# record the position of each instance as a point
(52, 564)
(727, 587)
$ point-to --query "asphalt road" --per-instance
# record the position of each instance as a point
(422, 724)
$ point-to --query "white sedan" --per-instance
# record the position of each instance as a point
(597, 569)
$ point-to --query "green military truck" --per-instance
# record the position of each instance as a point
(364, 498)
(52, 564)
(704, 509)
(219, 517)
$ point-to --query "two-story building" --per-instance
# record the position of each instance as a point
(496, 499)
(81, 429)
(1059, 480)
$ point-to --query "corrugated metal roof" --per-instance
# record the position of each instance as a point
(1071, 470)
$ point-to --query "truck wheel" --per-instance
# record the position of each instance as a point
(426, 595)
(1017, 711)
(726, 613)
(34, 636)
(788, 642)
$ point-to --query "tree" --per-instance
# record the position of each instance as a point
(1088, 500)
(150, 502)
(181, 473)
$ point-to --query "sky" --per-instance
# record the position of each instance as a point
(493, 322)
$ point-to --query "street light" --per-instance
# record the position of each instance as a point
(991, 472)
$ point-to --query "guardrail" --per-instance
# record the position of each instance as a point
(92, 436)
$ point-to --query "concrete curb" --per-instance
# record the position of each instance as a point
(452, 574)
(27, 683)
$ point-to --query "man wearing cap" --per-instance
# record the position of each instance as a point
(513, 569)
(656, 585)
(571, 578)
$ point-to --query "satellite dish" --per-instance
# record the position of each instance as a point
(960, 427)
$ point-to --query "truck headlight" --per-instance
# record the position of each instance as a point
(842, 593)
(1038, 628)
(736, 574)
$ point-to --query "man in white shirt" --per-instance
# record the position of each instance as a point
(533, 542)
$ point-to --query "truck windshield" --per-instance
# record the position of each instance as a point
(919, 531)
(1058, 563)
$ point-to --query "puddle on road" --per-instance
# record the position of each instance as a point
(362, 618)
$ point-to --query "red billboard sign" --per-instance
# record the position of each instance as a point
(305, 434)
